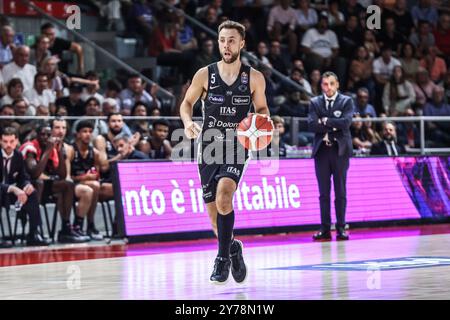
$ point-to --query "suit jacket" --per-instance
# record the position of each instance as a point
(380, 148)
(338, 123)
(17, 173)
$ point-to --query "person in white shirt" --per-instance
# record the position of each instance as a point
(91, 89)
(20, 68)
(40, 95)
(306, 16)
(281, 25)
(384, 65)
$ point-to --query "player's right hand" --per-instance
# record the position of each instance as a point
(192, 130)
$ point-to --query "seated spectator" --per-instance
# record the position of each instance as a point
(276, 59)
(83, 162)
(142, 125)
(13, 173)
(40, 95)
(360, 136)
(39, 51)
(388, 146)
(45, 162)
(91, 90)
(297, 76)
(423, 38)
(321, 48)
(315, 78)
(6, 45)
(141, 20)
(185, 39)
(352, 7)
(112, 90)
(6, 110)
(409, 63)
(207, 54)
(278, 147)
(126, 150)
(362, 105)
(408, 134)
(160, 147)
(306, 16)
(390, 37)
(435, 65)
(350, 37)
(398, 94)
(20, 68)
(135, 92)
(294, 106)
(73, 103)
(281, 25)
(59, 45)
(99, 126)
(211, 20)
(23, 126)
(371, 44)
(14, 92)
(424, 11)
(423, 88)
(360, 71)
(215, 4)
(109, 106)
(442, 35)
(402, 16)
(438, 132)
(336, 18)
(56, 79)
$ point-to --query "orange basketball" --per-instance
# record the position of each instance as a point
(255, 132)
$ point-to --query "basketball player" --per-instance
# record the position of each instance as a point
(227, 89)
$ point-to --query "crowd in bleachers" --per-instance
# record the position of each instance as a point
(399, 70)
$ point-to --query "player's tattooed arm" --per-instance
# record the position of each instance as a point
(258, 89)
(193, 93)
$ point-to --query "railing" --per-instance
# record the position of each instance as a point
(293, 123)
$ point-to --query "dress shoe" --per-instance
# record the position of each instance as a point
(341, 235)
(35, 239)
(322, 236)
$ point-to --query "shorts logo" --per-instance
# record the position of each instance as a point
(244, 77)
(227, 111)
(234, 171)
(240, 100)
(216, 99)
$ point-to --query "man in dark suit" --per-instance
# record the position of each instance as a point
(330, 117)
(388, 146)
(16, 185)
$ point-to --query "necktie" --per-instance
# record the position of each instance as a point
(5, 169)
(394, 150)
(329, 103)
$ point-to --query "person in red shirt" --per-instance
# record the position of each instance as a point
(442, 35)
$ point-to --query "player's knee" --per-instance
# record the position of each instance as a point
(224, 202)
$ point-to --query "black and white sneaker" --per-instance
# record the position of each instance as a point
(69, 236)
(94, 234)
(221, 270)
(81, 233)
(238, 266)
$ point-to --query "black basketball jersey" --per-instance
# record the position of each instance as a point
(111, 151)
(224, 106)
(82, 165)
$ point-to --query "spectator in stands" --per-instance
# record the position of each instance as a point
(278, 147)
(435, 65)
(160, 147)
(185, 34)
(321, 48)
(297, 75)
(360, 71)
(109, 106)
(388, 146)
(423, 38)
(402, 16)
(211, 20)
(39, 51)
(352, 7)
(409, 63)
(276, 59)
(6, 110)
(438, 132)
(370, 43)
(141, 19)
(315, 78)
(14, 92)
(281, 25)
(207, 54)
(126, 150)
(424, 11)
(73, 102)
(187, 6)
(91, 90)
(45, 162)
(390, 37)
(112, 90)
(134, 92)
(23, 126)
(92, 107)
(84, 167)
(423, 88)
(446, 85)
(362, 105)
(442, 35)
(20, 68)
(262, 53)
(13, 173)
(40, 95)
(383, 67)
(142, 125)
(408, 132)
(6, 45)
(350, 37)
(57, 80)
(336, 18)
(398, 94)
(59, 45)
(251, 34)
(306, 16)
(360, 138)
